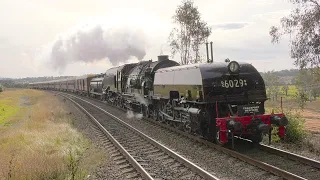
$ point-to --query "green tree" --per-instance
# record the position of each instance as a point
(1, 88)
(307, 81)
(285, 89)
(190, 32)
(303, 26)
(301, 98)
(315, 91)
(272, 84)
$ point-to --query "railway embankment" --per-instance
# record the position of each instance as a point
(42, 137)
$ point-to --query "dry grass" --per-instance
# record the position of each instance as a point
(311, 112)
(306, 122)
(40, 142)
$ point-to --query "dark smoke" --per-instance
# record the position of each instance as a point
(96, 43)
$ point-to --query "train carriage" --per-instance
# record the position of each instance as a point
(51, 85)
(57, 84)
(63, 85)
(71, 84)
(83, 84)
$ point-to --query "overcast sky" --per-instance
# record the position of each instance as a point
(33, 33)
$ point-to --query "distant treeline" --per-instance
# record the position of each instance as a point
(23, 82)
(286, 72)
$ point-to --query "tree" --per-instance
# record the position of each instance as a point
(272, 84)
(189, 33)
(285, 89)
(306, 81)
(303, 26)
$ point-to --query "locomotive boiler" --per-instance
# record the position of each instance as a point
(131, 85)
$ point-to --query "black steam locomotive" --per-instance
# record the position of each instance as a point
(216, 100)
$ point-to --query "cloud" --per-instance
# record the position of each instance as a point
(262, 2)
(272, 16)
(240, 32)
(230, 26)
(6, 45)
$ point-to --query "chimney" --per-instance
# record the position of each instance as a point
(207, 47)
(163, 58)
(211, 51)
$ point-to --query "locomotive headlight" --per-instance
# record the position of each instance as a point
(234, 67)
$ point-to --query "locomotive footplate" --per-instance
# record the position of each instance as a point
(248, 121)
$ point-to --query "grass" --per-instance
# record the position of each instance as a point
(6, 110)
(292, 90)
(300, 138)
(8, 107)
(40, 142)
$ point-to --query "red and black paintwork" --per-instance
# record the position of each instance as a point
(227, 104)
(237, 110)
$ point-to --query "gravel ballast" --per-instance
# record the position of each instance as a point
(108, 169)
(219, 164)
(156, 162)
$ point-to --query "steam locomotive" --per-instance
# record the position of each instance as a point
(215, 100)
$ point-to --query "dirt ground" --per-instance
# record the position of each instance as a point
(311, 113)
(312, 121)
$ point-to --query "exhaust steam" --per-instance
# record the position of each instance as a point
(132, 115)
(140, 99)
(93, 43)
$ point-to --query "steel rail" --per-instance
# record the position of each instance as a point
(132, 161)
(290, 155)
(173, 154)
(267, 167)
(286, 154)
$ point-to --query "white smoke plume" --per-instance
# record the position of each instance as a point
(139, 116)
(91, 43)
(132, 115)
(140, 99)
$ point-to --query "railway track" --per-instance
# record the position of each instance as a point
(311, 167)
(149, 159)
(299, 165)
(289, 155)
(287, 165)
(281, 163)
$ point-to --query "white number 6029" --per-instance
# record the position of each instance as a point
(233, 83)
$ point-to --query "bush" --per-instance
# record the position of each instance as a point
(295, 129)
(1, 88)
(274, 134)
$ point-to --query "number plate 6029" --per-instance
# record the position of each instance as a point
(233, 83)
